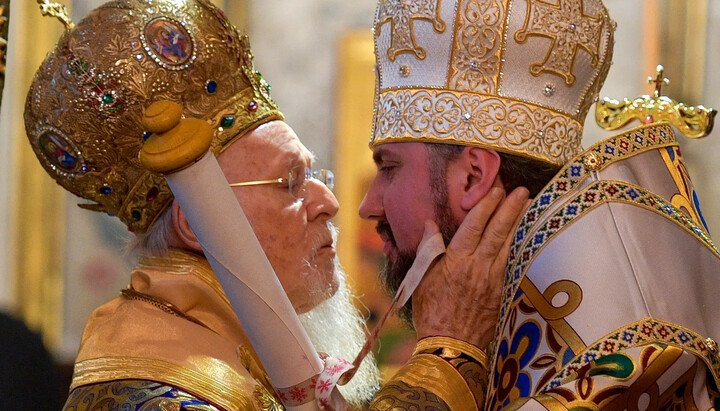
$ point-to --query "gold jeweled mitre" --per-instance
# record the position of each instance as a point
(84, 108)
(517, 76)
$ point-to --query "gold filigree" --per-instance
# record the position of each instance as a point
(57, 10)
(135, 395)
(479, 64)
(400, 396)
(569, 29)
(498, 123)
(440, 377)
(265, 400)
(592, 161)
(711, 344)
(401, 14)
(692, 121)
(108, 77)
(475, 64)
(225, 388)
(431, 343)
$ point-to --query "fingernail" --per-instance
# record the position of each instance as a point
(524, 193)
(496, 192)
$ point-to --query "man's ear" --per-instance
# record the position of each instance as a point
(183, 232)
(482, 167)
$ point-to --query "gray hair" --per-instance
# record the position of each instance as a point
(154, 242)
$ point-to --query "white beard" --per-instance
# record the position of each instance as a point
(336, 328)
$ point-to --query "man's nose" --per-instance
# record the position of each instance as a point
(371, 207)
(321, 202)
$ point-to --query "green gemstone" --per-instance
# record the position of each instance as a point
(107, 98)
(136, 215)
(269, 87)
(227, 121)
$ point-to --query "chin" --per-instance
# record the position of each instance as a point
(337, 328)
(319, 286)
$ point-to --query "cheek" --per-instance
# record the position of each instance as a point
(406, 212)
(280, 228)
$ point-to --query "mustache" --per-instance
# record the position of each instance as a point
(383, 228)
(320, 239)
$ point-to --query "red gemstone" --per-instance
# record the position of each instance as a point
(252, 106)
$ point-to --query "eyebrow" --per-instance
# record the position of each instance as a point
(378, 155)
(300, 159)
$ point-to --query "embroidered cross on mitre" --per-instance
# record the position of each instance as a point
(569, 29)
(401, 15)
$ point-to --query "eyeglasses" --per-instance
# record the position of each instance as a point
(297, 180)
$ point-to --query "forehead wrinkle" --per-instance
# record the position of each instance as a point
(294, 153)
(288, 148)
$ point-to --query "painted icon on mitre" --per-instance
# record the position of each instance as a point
(59, 152)
(169, 41)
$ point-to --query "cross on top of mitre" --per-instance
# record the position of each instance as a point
(401, 14)
(569, 29)
(659, 80)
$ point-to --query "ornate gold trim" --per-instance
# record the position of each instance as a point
(213, 389)
(637, 334)
(431, 343)
(566, 182)
(439, 377)
(644, 199)
(476, 68)
(184, 263)
(499, 123)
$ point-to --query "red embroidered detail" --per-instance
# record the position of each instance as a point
(298, 394)
(324, 385)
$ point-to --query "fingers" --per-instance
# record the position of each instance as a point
(471, 230)
(503, 224)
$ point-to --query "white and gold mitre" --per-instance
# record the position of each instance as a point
(517, 76)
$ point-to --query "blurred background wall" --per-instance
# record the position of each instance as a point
(58, 263)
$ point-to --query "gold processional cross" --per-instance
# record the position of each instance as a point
(401, 15)
(569, 29)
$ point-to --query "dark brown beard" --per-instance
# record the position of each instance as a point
(395, 269)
